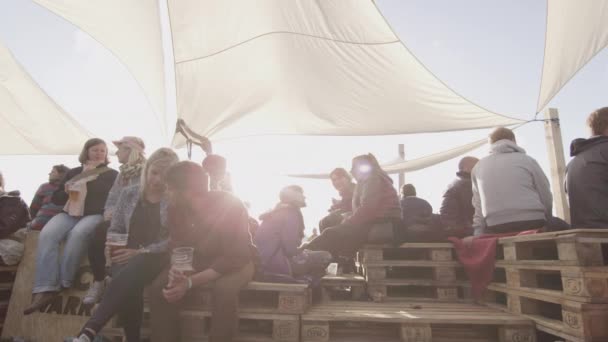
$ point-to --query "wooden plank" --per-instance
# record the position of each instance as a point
(413, 263)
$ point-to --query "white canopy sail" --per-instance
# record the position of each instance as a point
(31, 122)
(330, 67)
(576, 32)
(131, 30)
(399, 165)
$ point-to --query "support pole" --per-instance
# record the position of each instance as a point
(401, 174)
(555, 151)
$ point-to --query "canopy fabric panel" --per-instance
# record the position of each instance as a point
(400, 165)
(576, 32)
(131, 30)
(331, 67)
(31, 122)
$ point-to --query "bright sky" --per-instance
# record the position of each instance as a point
(489, 52)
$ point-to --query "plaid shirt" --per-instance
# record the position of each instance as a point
(42, 208)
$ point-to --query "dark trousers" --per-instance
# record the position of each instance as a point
(97, 258)
(342, 240)
(225, 292)
(514, 227)
(331, 220)
(124, 295)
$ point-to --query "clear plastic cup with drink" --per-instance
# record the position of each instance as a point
(116, 241)
(181, 259)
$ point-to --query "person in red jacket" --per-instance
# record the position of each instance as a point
(215, 224)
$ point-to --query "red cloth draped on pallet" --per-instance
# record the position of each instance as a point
(478, 256)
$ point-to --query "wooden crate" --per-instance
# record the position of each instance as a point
(251, 327)
(408, 290)
(408, 251)
(413, 322)
(575, 283)
(258, 297)
(576, 247)
(342, 287)
(446, 271)
(584, 321)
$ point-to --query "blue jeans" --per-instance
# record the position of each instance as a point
(53, 272)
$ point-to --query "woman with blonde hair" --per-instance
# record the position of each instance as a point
(141, 214)
(83, 192)
(132, 158)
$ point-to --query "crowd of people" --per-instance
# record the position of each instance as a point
(159, 204)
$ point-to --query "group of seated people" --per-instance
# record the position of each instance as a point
(161, 203)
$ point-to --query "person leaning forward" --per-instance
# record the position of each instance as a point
(215, 224)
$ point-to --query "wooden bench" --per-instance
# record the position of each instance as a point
(408, 252)
(259, 297)
(413, 322)
(576, 247)
(342, 287)
(573, 320)
(251, 327)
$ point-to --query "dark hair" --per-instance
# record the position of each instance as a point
(187, 174)
(339, 172)
(598, 121)
(501, 133)
(84, 154)
(61, 169)
(214, 163)
(408, 190)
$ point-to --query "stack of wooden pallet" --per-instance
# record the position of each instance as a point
(414, 271)
(559, 280)
(7, 278)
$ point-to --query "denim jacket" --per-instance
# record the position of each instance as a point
(125, 206)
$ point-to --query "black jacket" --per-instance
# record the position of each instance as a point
(97, 190)
(587, 182)
(14, 213)
(457, 206)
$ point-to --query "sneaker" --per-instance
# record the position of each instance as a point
(81, 338)
(95, 292)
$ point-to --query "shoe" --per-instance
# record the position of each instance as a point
(81, 338)
(39, 301)
(95, 292)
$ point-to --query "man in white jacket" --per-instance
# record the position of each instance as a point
(510, 191)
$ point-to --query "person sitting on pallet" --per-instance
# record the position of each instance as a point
(419, 223)
(141, 215)
(14, 215)
(376, 213)
(510, 190)
(587, 175)
(42, 208)
(345, 186)
(83, 191)
(456, 213)
(278, 239)
(215, 225)
(132, 158)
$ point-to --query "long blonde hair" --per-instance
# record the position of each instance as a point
(164, 157)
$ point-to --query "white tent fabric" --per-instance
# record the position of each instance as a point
(131, 30)
(399, 165)
(31, 122)
(576, 32)
(331, 67)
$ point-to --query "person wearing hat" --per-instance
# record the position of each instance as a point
(132, 158)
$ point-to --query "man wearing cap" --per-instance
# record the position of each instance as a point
(132, 158)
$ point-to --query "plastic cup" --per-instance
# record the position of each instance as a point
(181, 259)
(332, 269)
(116, 241)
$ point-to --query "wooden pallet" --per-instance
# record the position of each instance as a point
(408, 251)
(251, 327)
(575, 283)
(580, 322)
(407, 290)
(446, 271)
(576, 247)
(258, 297)
(413, 322)
(342, 287)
